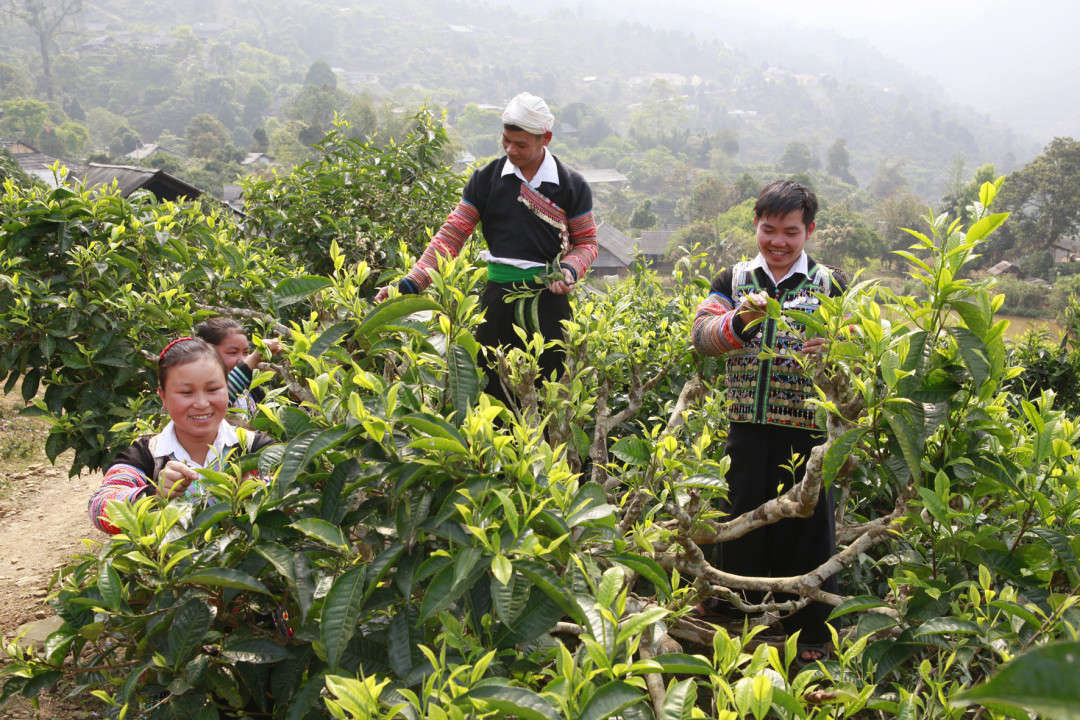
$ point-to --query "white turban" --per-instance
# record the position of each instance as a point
(530, 113)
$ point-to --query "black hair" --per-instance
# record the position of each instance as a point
(215, 330)
(184, 351)
(781, 197)
(517, 128)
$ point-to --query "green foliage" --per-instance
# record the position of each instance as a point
(68, 140)
(1039, 680)
(42, 125)
(842, 238)
(838, 162)
(1046, 366)
(896, 215)
(24, 117)
(363, 196)
(91, 287)
(1023, 298)
(420, 551)
(206, 136)
(13, 83)
(320, 75)
(1044, 199)
(643, 217)
(798, 158)
(701, 234)
(709, 198)
(960, 202)
(735, 233)
(889, 180)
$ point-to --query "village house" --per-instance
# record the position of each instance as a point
(34, 163)
(600, 176)
(128, 179)
(144, 152)
(653, 247)
(1067, 250)
(1004, 269)
(257, 160)
(615, 252)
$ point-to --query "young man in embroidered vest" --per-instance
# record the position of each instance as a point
(769, 416)
(532, 208)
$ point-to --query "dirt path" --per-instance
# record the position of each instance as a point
(42, 523)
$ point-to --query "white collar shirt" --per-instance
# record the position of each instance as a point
(801, 267)
(546, 173)
(166, 444)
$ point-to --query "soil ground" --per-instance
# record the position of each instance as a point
(42, 523)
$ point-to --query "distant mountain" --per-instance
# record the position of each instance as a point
(729, 78)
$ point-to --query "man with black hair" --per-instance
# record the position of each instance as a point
(770, 418)
(533, 209)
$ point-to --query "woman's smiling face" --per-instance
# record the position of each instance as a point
(196, 398)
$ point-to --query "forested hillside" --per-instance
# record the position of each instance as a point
(692, 125)
(119, 64)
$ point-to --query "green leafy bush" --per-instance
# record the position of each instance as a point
(364, 196)
(1046, 366)
(93, 286)
(417, 551)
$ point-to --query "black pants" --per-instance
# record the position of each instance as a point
(791, 546)
(498, 329)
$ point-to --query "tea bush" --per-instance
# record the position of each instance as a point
(415, 550)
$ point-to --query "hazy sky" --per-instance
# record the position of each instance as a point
(1016, 60)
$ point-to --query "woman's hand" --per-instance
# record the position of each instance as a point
(174, 479)
(255, 359)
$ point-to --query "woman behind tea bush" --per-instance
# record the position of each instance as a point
(194, 393)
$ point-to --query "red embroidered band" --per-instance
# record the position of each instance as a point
(174, 342)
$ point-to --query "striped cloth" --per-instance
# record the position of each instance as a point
(447, 242)
(713, 332)
(123, 483)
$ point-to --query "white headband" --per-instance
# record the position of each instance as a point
(530, 113)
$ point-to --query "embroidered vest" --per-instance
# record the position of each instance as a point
(773, 390)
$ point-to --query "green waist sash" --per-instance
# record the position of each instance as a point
(502, 273)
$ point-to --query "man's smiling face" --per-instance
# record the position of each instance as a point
(780, 239)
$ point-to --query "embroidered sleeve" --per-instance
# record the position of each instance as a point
(583, 247)
(123, 483)
(714, 331)
(447, 242)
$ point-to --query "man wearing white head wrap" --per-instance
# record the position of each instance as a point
(535, 212)
(530, 113)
